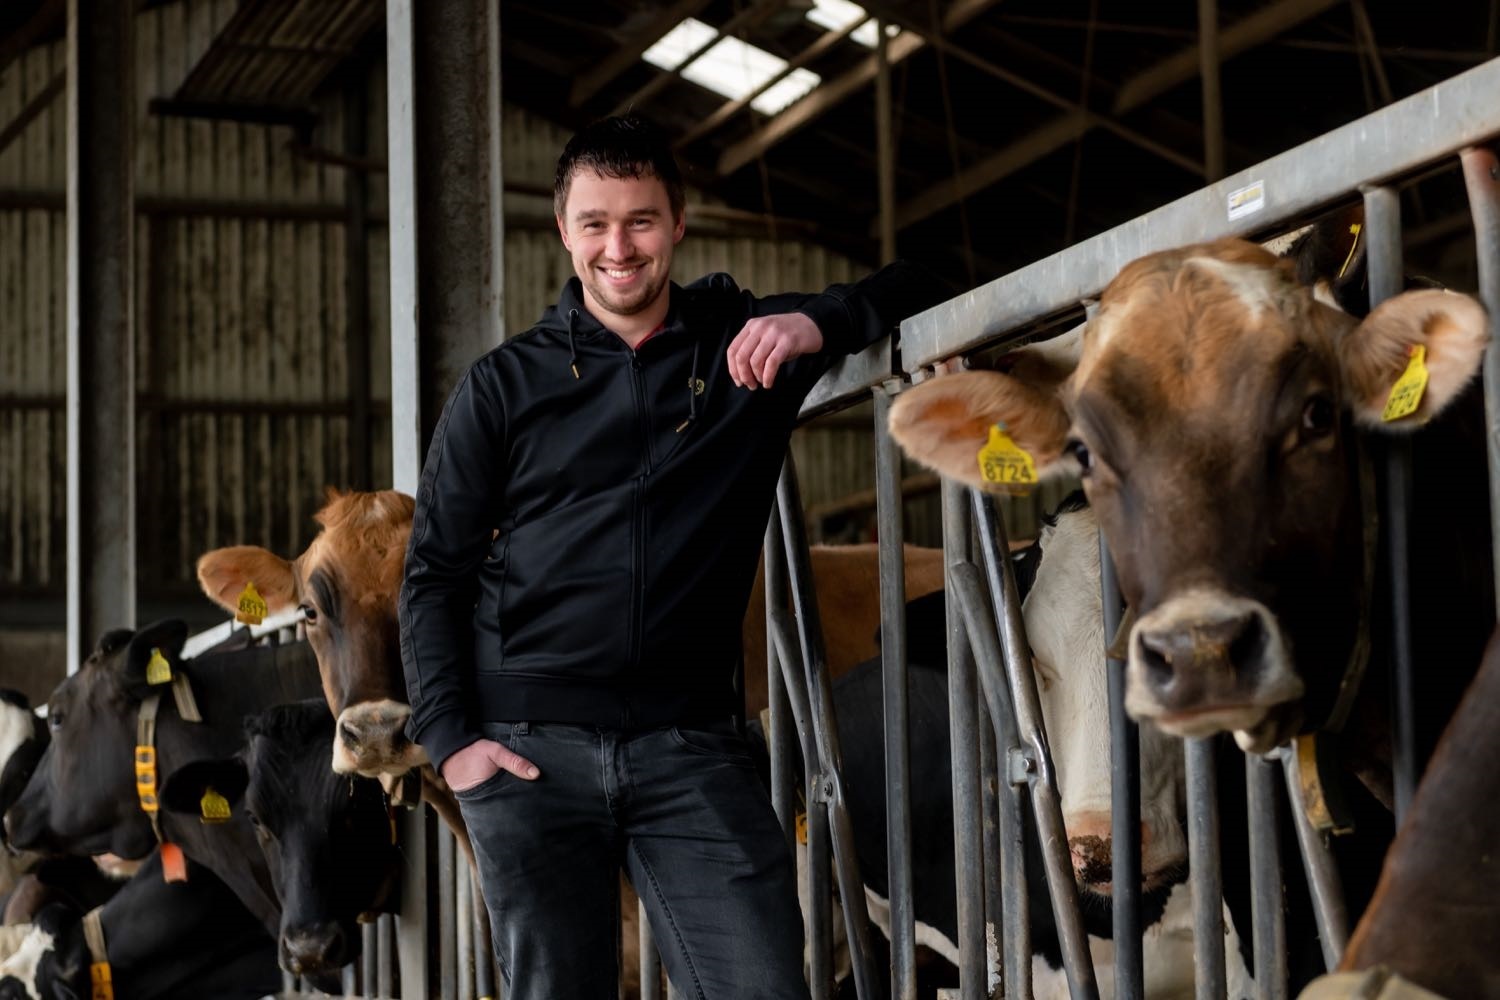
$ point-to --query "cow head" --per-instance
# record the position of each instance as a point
(1065, 625)
(48, 959)
(82, 797)
(1212, 415)
(346, 582)
(327, 838)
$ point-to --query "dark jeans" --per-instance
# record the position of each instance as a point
(684, 812)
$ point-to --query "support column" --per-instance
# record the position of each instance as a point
(100, 322)
(1213, 99)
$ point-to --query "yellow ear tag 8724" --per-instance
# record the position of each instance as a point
(252, 607)
(158, 670)
(1004, 462)
(1406, 394)
(213, 807)
(101, 982)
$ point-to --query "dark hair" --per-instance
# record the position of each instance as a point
(621, 146)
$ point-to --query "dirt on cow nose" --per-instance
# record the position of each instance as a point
(1091, 858)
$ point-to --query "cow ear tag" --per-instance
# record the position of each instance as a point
(158, 670)
(1005, 463)
(173, 864)
(802, 829)
(213, 807)
(1406, 394)
(252, 607)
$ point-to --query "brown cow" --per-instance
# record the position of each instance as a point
(1204, 415)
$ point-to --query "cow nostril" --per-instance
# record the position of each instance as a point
(1247, 645)
(348, 734)
(1158, 650)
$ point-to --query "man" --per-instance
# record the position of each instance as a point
(585, 539)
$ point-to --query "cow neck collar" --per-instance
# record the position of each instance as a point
(147, 774)
(101, 977)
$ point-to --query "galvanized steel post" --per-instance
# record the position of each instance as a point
(100, 418)
(890, 535)
(1322, 873)
(1125, 802)
(1266, 913)
(1482, 178)
(1209, 977)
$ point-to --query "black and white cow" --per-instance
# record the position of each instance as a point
(164, 941)
(328, 839)
(83, 799)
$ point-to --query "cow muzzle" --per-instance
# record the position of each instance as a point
(1090, 845)
(1207, 661)
(372, 740)
(307, 951)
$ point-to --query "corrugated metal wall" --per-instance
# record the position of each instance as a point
(242, 327)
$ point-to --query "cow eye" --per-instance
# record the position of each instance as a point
(1317, 417)
(1080, 453)
(54, 721)
(309, 612)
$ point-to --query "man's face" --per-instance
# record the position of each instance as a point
(620, 232)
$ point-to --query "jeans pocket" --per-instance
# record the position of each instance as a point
(484, 788)
(724, 745)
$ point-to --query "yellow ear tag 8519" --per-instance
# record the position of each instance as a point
(213, 807)
(101, 982)
(158, 670)
(1406, 394)
(1004, 462)
(252, 607)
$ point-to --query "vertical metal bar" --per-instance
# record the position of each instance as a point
(963, 691)
(386, 952)
(1032, 733)
(1203, 862)
(818, 918)
(1213, 100)
(1125, 803)
(288, 983)
(357, 283)
(464, 903)
(1266, 913)
(412, 952)
(650, 984)
(1383, 251)
(781, 734)
(890, 530)
(370, 956)
(347, 978)
(1482, 178)
(1322, 873)
(820, 691)
(885, 145)
(994, 787)
(447, 912)
(100, 415)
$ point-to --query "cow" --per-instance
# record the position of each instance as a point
(329, 840)
(1216, 413)
(23, 737)
(163, 940)
(83, 797)
(1059, 579)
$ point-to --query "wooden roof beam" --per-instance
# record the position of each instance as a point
(625, 56)
(833, 92)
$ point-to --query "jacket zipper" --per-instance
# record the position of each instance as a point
(638, 519)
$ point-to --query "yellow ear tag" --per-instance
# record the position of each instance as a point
(1004, 462)
(103, 987)
(158, 670)
(1406, 394)
(213, 807)
(802, 829)
(252, 607)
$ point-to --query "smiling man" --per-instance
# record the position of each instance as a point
(586, 535)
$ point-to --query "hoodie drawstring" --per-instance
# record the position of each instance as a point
(692, 391)
(572, 349)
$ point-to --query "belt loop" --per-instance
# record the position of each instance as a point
(520, 729)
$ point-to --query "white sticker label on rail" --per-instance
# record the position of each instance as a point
(1247, 200)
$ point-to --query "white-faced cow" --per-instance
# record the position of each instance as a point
(329, 840)
(1059, 577)
(1213, 414)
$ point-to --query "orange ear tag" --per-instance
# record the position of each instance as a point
(802, 829)
(1005, 463)
(252, 607)
(1406, 394)
(101, 983)
(173, 864)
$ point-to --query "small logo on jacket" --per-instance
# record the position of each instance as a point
(696, 384)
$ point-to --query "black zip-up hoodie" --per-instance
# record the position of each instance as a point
(584, 546)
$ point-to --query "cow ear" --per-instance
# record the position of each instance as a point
(185, 787)
(1452, 330)
(945, 422)
(1330, 258)
(165, 637)
(224, 573)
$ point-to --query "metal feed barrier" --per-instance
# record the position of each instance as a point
(995, 716)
